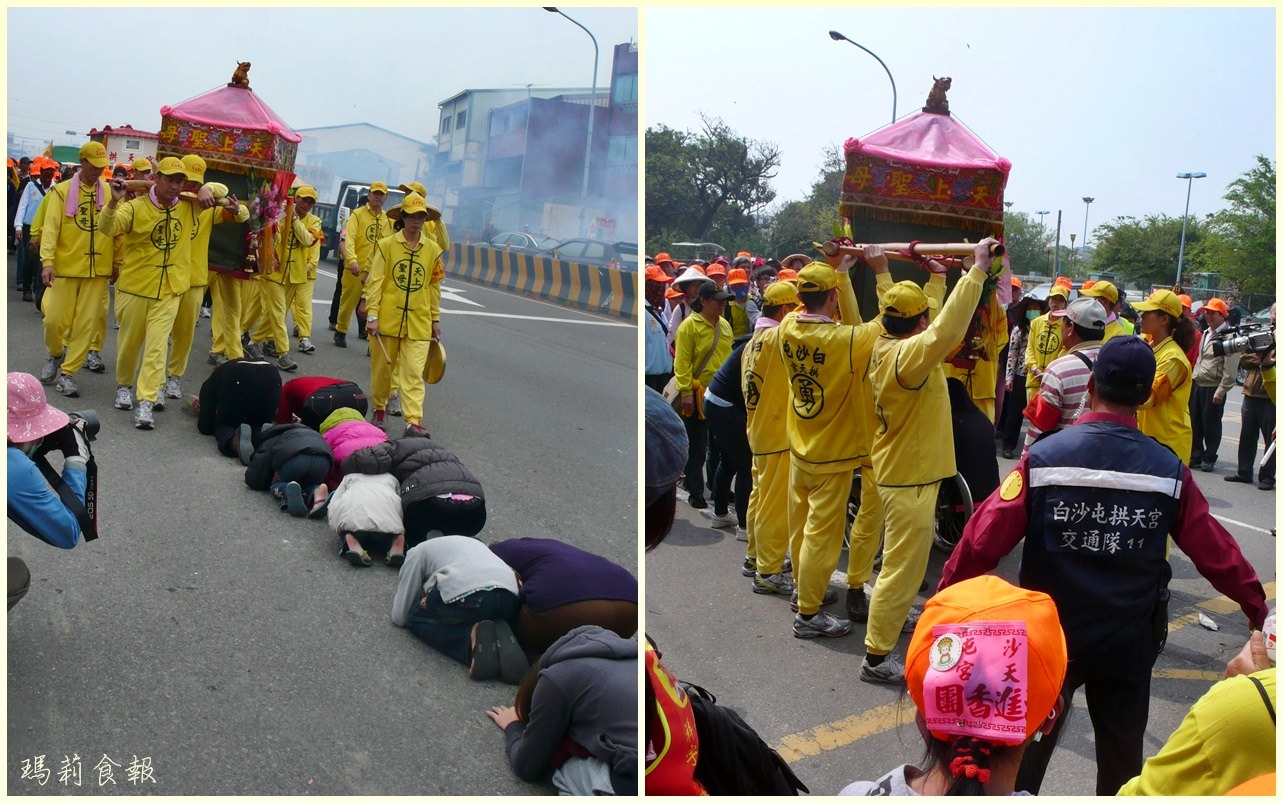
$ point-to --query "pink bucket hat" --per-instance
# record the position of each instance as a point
(31, 417)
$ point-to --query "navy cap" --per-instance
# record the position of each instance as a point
(666, 446)
(1125, 360)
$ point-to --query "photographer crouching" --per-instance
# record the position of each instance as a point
(57, 509)
(1257, 345)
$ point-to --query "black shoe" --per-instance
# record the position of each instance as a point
(1206, 466)
(340, 339)
(1008, 453)
(27, 297)
(1266, 485)
(1237, 478)
(857, 605)
(363, 335)
(697, 501)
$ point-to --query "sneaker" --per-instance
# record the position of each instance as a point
(741, 534)
(286, 364)
(1008, 453)
(305, 346)
(93, 362)
(142, 416)
(67, 386)
(252, 351)
(772, 584)
(245, 341)
(330, 326)
(158, 406)
(416, 431)
(1236, 478)
(394, 404)
(340, 339)
(822, 624)
(380, 419)
(697, 501)
(750, 567)
(857, 605)
(910, 620)
(212, 359)
(124, 397)
(269, 349)
(205, 312)
(889, 672)
(294, 332)
(294, 500)
(171, 389)
(26, 296)
(830, 597)
(720, 520)
(788, 566)
(245, 444)
(50, 372)
(682, 494)
(220, 359)
(115, 324)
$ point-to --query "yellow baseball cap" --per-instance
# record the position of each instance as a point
(95, 153)
(413, 186)
(906, 300)
(305, 191)
(379, 186)
(1101, 288)
(1059, 290)
(779, 294)
(816, 277)
(195, 167)
(171, 166)
(1164, 300)
(142, 165)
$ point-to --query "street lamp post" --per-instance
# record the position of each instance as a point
(1180, 259)
(1073, 257)
(592, 106)
(837, 37)
(1087, 201)
(1042, 213)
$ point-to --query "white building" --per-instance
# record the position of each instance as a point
(362, 152)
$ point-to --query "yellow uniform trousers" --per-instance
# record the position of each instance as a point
(408, 358)
(145, 325)
(866, 533)
(817, 509)
(184, 329)
(225, 318)
(73, 311)
(251, 305)
(271, 321)
(349, 297)
(768, 512)
(910, 523)
(298, 298)
(100, 334)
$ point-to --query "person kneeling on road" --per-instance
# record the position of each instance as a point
(459, 598)
(291, 461)
(42, 502)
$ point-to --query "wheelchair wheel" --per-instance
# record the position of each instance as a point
(953, 508)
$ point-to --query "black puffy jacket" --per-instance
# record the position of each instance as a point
(279, 443)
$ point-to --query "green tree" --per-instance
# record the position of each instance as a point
(1026, 242)
(708, 185)
(1144, 252)
(1241, 241)
(797, 224)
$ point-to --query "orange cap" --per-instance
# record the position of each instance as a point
(737, 276)
(662, 256)
(1015, 282)
(787, 275)
(715, 269)
(1217, 305)
(1186, 301)
(654, 273)
(1089, 284)
(673, 292)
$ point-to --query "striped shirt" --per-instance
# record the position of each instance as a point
(1063, 395)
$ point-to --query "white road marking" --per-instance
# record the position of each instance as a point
(1245, 525)
(584, 322)
(448, 293)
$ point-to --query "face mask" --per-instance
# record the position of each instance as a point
(1030, 314)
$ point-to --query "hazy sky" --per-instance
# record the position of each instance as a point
(313, 66)
(1098, 102)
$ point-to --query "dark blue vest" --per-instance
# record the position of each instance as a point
(1102, 499)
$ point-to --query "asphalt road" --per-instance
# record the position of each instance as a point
(223, 645)
(805, 698)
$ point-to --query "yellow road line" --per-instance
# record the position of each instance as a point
(846, 731)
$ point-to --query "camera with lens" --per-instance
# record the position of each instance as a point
(1256, 338)
(87, 422)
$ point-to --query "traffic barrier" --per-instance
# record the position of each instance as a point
(602, 290)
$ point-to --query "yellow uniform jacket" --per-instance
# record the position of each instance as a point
(1165, 415)
(157, 243)
(1044, 346)
(404, 288)
(200, 222)
(364, 231)
(913, 441)
(302, 250)
(75, 246)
